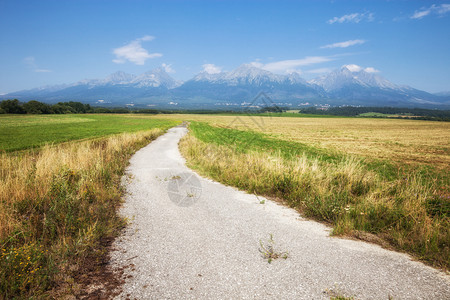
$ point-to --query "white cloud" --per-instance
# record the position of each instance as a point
(146, 38)
(257, 64)
(353, 68)
(292, 65)
(344, 44)
(134, 52)
(433, 9)
(168, 68)
(356, 68)
(352, 18)
(211, 69)
(371, 70)
(420, 14)
(31, 63)
(444, 8)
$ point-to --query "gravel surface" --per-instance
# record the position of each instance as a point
(193, 238)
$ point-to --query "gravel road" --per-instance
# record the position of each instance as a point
(193, 238)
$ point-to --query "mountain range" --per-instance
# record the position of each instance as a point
(349, 85)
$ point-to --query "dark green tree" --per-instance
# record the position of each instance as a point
(60, 108)
(12, 107)
(36, 107)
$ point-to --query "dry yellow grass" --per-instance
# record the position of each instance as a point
(400, 201)
(56, 203)
(401, 141)
(407, 212)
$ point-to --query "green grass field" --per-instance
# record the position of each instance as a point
(404, 205)
(20, 132)
(376, 114)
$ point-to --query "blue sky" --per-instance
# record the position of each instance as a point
(62, 41)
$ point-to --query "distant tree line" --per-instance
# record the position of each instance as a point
(402, 112)
(72, 107)
(36, 107)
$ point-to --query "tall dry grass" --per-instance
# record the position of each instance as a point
(55, 205)
(345, 194)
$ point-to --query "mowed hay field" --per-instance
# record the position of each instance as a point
(401, 141)
(59, 201)
(380, 180)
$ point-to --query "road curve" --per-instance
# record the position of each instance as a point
(192, 238)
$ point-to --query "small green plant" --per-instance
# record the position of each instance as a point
(336, 294)
(261, 201)
(268, 250)
(341, 298)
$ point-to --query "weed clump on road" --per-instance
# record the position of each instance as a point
(267, 250)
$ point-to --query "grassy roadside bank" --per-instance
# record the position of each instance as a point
(408, 210)
(56, 204)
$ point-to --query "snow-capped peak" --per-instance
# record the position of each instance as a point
(205, 76)
(371, 79)
(155, 78)
(119, 77)
(294, 77)
(353, 75)
(249, 74)
(248, 70)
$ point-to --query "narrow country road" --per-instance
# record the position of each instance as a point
(192, 238)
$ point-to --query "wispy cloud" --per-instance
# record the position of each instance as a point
(434, 9)
(211, 69)
(30, 61)
(420, 14)
(352, 18)
(344, 44)
(292, 65)
(168, 68)
(371, 70)
(356, 68)
(134, 52)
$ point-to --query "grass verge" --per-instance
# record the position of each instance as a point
(408, 210)
(56, 204)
